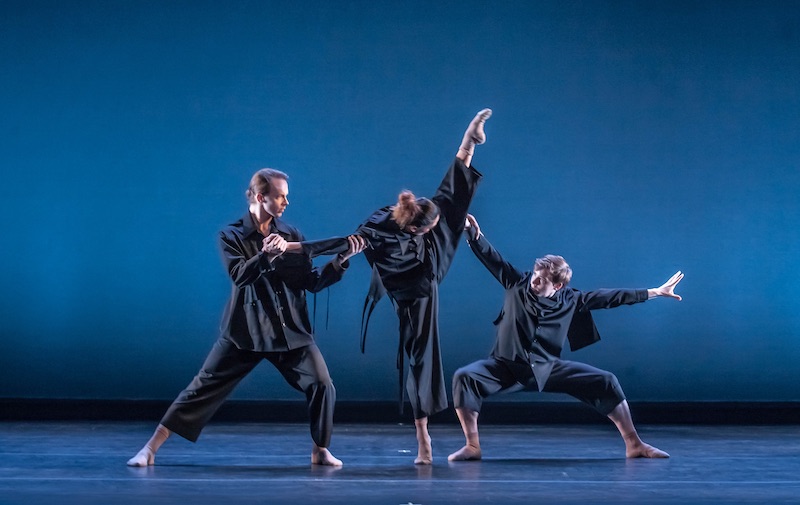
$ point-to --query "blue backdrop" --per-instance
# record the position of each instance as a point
(634, 138)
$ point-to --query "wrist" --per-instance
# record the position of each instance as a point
(652, 293)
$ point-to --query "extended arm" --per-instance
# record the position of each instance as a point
(668, 288)
(502, 270)
(610, 298)
(343, 246)
(332, 272)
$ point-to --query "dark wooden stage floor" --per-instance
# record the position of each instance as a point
(244, 463)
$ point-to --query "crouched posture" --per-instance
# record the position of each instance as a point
(539, 313)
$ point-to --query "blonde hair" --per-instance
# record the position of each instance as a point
(413, 211)
(557, 268)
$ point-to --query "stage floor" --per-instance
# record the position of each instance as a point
(244, 463)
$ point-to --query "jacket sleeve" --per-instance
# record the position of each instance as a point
(241, 269)
(502, 270)
(320, 278)
(325, 247)
(609, 298)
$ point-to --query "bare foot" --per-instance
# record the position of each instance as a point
(145, 457)
(466, 453)
(643, 450)
(425, 452)
(322, 456)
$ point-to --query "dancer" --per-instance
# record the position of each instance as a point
(410, 247)
(539, 313)
(266, 319)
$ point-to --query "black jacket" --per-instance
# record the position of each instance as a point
(532, 329)
(407, 264)
(267, 309)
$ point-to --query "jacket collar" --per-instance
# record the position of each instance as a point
(249, 226)
(382, 220)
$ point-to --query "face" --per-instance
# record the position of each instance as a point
(541, 285)
(424, 229)
(278, 198)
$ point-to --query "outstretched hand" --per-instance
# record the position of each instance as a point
(472, 227)
(668, 288)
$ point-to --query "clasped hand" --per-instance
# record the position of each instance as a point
(274, 245)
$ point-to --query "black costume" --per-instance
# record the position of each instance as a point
(266, 318)
(531, 331)
(409, 268)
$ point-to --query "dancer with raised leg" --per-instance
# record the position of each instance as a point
(410, 247)
(266, 319)
(539, 314)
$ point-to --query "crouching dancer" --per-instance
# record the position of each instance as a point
(539, 313)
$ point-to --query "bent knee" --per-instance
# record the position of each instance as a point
(462, 376)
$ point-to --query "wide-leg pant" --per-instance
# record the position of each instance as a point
(419, 334)
(226, 365)
(481, 379)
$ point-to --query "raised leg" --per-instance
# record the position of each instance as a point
(473, 136)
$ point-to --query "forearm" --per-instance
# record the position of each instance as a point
(493, 261)
(610, 298)
(324, 247)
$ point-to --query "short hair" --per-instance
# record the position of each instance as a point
(413, 211)
(557, 268)
(261, 182)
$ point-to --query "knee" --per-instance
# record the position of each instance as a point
(611, 381)
(462, 376)
(464, 382)
(323, 384)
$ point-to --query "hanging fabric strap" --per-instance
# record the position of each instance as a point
(401, 392)
(374, 295)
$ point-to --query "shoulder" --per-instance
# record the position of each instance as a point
(381, 222)
(234, 229)
(381, 216)
(523, 282)
(568, 294)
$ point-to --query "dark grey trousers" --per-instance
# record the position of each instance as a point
(419, 338)
(481, 379)
(226, 365)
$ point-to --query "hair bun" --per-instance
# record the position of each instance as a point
(406, 208)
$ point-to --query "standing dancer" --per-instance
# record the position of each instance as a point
(410, 247)
(266, 319)
(539, 313)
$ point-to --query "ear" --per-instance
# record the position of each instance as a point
(558, 286)
(411, 229)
